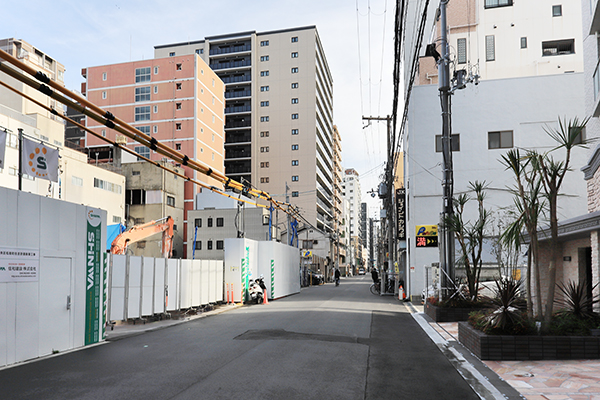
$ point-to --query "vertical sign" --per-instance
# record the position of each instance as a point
(401, 211)
(272, 279)
(246, 274)
(93, 314)
(104, 294)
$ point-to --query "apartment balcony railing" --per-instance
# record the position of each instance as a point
(237, 109)
(231, 64)
(237, 124)
(241, 93)
(227, 50)
(233, 79)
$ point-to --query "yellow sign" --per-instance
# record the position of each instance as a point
(307, 253)
(426, 230)
(516, 274)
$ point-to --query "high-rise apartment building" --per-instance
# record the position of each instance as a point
(527, 58)
(278, 113)
(176, 100)
(352, 193)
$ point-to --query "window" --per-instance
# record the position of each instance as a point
(264, 134)
(178, 106)
(264, 180)
(103, 95)
(264, 73)
(295, 54)
(178, 126)
(490, 51)
(209, 245)
(294, 39)
(295, 194)
(155, 129)
(142, 74)
(264, 164)
(295, 131)
(142, 113)
(264, 104)
(294, 116)
(500, 140)
(209, 222)
(198, 222)
(144, 129)
(295, 163)
(558, 47)
(172, 54)
(135, 173)
(108, 186)
(116, 219)
(155, 89)
(497, 3)
(264, 43)
(178, 67)
(294, 147)
(219, 245)
(264, 88)
(557, 11)
(219, 221)
(294, 178)
(264, 119)
(104, 76)
(580, 136)
(103, 132)
(75, 181)
(523, 42)
(294, 101)
(178, 86)
(171, 201)
(177, 146)
(142, 151)
(295, 85)
(155, 70)
(461, 50)
(264, 149)
(142, 93)
(264, 58)
(454, 142)
(199, 51)
(199, 245)
(294, 70)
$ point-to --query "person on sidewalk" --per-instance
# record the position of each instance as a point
(337, 277)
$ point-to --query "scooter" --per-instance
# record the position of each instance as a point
(255, 292)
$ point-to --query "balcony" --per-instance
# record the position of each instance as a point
(237, 122)
(237, 109)
(236, 78)
(238, 93)
(230, 64)
(230, 49)
(244, 136)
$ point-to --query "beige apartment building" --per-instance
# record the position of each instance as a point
(79, 182)
(176, 100)
(278, 113)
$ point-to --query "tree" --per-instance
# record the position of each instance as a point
(469, 235)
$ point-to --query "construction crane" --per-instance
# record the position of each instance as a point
(141, 232)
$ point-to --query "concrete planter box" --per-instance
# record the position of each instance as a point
(527, 347)
(447, 314)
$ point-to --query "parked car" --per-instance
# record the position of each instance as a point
(361, 271)
(316, 278)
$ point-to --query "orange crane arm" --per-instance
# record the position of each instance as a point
(141, 232)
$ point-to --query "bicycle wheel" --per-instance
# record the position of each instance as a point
(375, 288)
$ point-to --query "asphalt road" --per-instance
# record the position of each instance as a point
(325, 343)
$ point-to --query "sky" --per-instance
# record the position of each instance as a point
(357, 37)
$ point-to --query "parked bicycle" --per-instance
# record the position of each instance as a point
(376, 287)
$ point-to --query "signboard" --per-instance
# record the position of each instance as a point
(426, 235)
(307, 253)
(19, 265)
(401, 212)
(94, 264)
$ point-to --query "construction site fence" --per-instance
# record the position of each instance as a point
(140, 287)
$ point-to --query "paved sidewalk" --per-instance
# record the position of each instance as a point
(539, 380)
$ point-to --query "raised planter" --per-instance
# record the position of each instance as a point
(527, 347)
(447, 314)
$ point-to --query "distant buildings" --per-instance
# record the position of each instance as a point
(352, 193)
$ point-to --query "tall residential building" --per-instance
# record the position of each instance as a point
(527, 57)
(352, 193)
(79, 182)
(176, 100)
(338, 214)
(278, 113)
(364, 233)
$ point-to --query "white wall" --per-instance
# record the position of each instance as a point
(34, 319)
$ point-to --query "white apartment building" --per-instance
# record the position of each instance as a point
(529, 62)
(352, 193)
(278, 113)
(79, 182)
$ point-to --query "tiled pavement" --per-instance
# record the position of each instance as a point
(537, 380)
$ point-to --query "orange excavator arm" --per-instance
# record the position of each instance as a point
(141, 232)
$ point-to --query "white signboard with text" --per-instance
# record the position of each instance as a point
(19, 265)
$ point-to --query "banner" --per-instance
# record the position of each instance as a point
(39, 161)
(3, 135)
(94, 263)
(401, 213)
(19, 265)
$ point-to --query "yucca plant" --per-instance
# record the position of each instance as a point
(575, 300)
(507, 308)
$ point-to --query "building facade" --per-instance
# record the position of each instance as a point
(352, 193)
(278, 113)
(176, 100)
(525, 63)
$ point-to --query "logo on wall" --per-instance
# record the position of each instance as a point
(40, 161)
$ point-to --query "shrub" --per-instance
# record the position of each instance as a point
(565, 324)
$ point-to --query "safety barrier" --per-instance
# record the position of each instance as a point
(141, 287)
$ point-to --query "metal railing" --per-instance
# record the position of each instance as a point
(227, 50)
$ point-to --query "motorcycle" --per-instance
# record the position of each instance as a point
(255, 292)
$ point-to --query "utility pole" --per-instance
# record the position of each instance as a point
(447, 250)
(20, 175)
(389, 192)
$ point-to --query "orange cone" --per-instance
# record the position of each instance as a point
(265, 301)
(403, 294)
